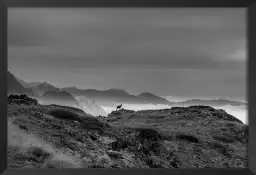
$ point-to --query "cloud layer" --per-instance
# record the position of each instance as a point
(191, 46)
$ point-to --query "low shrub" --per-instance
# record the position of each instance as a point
(230, 124)
(189, 138)
(87, 121)
(224, 139)
(38, 152)
(21, 99)
(149, 133)
(119, 144)
(64, 114)
(220, 147)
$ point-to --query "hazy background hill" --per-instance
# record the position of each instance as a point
(28, 84)
(58, 97)
(46, 93)
(41, 88)
(15, 87)
(114, 96)
(218, 102)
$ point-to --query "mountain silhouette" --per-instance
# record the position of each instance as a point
(113, 96)
(146, 96)
(59, 97)
(41, 88)
(46, 94)
(218, 102)
(28, 84)
(15, 87)
(109, 97)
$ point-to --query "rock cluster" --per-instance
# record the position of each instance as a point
(21, 99)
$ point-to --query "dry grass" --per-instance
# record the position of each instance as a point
(29, 145)
(64, 114)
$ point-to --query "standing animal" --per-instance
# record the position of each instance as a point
(119, 107)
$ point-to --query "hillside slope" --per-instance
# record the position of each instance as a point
(191, 137)
(59, 98)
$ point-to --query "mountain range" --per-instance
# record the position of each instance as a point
(27, 84)
(114, 96)
(47, 94)
(218, 102)
(109, 97)
(41, 88)
(15, 87)
(58, 97)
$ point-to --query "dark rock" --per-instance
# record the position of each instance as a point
(224, 139)
(175, 163)
(93, 137)
(70, 144)
(38, 153)
(220, 147)
(23, 127)
(119, 144)
(114, 154)
(189, 138)
(21, 99)
(148, 133)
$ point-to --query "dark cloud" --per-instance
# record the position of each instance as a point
(138, 39)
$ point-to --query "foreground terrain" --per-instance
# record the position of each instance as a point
(53, 136)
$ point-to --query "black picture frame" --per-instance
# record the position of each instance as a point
(251, 93)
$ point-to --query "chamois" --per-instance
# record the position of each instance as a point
(118, 107)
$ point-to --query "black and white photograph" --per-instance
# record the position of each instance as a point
(127, 87)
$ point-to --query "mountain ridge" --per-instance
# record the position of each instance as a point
(46, 93)
(215, 102)
(114, 95)
(117, 96)
(15, 87)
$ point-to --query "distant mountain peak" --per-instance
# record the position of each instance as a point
(45, 84)
(14, 86)
(57, 92)
(10, 73)
(147, 94)
(72, 87)
(117, 90)
(115, 95)
(218, 102)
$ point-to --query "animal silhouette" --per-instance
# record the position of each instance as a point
(118, 107)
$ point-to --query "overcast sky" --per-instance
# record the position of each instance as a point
(185, 52)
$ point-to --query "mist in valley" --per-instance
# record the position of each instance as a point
(90, 107)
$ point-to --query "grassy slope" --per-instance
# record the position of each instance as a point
(59, 136)
(194, 136)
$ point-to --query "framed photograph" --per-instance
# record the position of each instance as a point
(124, 87)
